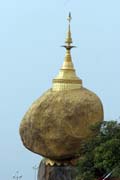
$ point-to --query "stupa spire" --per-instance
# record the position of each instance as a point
(67, 78)
(69, 38)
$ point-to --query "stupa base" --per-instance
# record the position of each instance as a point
(56, 171)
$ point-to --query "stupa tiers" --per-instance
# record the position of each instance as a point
(58, 122)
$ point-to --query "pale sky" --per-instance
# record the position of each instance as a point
(31, 33)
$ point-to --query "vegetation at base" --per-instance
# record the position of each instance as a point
(101, 153)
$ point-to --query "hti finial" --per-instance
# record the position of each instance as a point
(69, 17)
(68, 40)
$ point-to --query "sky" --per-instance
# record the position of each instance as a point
(31, 33)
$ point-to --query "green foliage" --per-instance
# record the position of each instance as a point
(101, 153)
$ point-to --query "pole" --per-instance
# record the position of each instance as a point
(35, 170)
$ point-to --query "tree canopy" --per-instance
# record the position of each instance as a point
(101, 153)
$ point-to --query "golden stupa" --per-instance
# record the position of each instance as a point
(59, 121)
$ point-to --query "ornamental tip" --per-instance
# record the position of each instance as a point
(69, 17)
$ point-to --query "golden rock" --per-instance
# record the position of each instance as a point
(57, 123)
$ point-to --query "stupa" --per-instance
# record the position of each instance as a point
(57, 123)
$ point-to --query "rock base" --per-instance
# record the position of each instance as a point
(55, 172)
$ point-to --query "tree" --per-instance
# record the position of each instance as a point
(101, 154)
